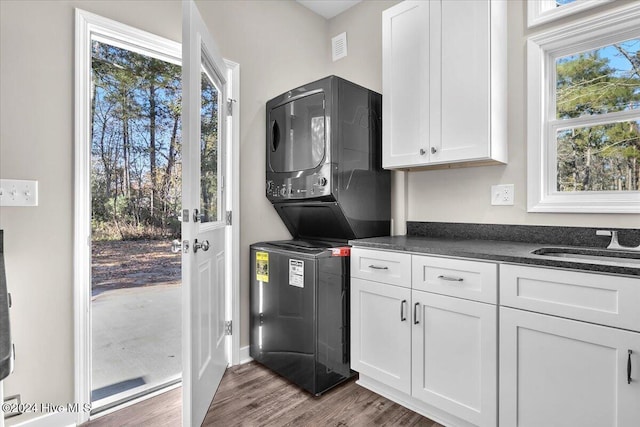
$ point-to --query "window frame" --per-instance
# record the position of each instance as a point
(542, 51)
(542, 11)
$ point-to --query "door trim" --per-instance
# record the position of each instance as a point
(88, 25)
(233, 201)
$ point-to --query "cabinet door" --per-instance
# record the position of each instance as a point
(460, 80)
(559, 372)
(454, 356)
(405, 84)
(381, 333)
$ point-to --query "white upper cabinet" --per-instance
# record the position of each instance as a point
(444, 83)
(405, 84)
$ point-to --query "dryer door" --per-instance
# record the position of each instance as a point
(296, 137)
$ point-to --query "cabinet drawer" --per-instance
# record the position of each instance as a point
(472, 280)
(597, 298)
(380, 266)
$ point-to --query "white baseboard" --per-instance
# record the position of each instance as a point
(54, 419)
(244, 355)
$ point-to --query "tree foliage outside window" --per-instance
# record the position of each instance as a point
(136, 174)
(601, 156)
(209, 150)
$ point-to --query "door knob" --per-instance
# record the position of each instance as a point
(204, 245)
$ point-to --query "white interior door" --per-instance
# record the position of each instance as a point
(203, 227)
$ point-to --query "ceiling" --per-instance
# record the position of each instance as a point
(328, 8)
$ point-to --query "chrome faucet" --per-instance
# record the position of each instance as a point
(613, 244)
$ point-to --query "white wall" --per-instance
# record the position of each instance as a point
(463, 195)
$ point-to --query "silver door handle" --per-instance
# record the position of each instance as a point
(630, 352)
(451, 279)
(402, 316)
(204, 245)
(176, 246)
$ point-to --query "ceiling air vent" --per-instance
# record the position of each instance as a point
(339, 46)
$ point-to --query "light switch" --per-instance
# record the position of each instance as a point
(16, 192)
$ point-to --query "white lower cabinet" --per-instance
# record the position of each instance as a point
(569, 348)
(381, 332)
(569, 341)
(435, 354)
(454, 356)
(560, 372)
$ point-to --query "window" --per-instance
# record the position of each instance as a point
(543, 11)
(584, 115)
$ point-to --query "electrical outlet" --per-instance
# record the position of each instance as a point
(15, 192)
(13, 405)
(502, 194)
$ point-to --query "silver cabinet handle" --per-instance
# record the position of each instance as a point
(415, 313)
(402, 316)
(433, 150)
(377, 267)
(630, 352)
(422, 152)
(451, 279)
(204, 245)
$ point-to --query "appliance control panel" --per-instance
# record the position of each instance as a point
(295, 188)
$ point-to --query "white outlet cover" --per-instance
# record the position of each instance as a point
(502, 195)
(18, 192)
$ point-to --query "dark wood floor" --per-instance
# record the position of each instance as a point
(251, 395)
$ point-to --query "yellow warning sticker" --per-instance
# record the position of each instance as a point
(262, 266)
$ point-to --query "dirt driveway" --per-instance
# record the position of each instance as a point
(133, 263)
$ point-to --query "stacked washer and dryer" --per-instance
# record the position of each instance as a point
(325, 179)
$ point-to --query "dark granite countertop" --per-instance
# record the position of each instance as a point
(5, 333)
(494, 250)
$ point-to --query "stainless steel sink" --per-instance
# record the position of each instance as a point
(594, 256)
